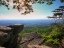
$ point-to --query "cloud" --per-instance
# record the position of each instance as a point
(18, 16)
(15, 15)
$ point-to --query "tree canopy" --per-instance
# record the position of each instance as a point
(25, 5)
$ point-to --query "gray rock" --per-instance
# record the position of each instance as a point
(29, 36)
(13, 42)
(5, 29)
(5, 34)
(17, 28)
(33, 38)
(9, 35)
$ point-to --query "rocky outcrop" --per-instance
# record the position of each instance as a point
(34, 40)
(5, 34)
(9, 38)
(9, 35)
(17, 28)
(31, 39)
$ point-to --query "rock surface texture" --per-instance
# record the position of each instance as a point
(31, 40)
(34, 40)
(9, 38)
(9, 35)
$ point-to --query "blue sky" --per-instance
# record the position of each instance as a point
(41, 11)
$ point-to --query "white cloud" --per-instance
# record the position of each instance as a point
(18, 16)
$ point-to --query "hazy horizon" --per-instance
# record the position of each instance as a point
(28, 23)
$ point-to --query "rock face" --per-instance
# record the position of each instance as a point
(9, 38)
(34, 40)
(9, 35)
(17, 28)
(5, 34)
(31, 39)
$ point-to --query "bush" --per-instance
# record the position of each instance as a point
(52, 34)
(52, 41)
(56, 35)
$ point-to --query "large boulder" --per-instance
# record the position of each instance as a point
(17, 28)
(9, 35)
(5, 34)
(33, 38)
(13, 42)
(29, 36)
(5, 29)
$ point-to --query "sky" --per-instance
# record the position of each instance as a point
(41, 11)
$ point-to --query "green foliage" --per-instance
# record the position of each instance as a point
(56, 35)
(52, 34)
(52, 41)
(42, 31)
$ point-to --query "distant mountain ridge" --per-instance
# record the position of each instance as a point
(28, 23)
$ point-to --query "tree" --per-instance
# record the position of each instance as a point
(58, 14)
(25, 4)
